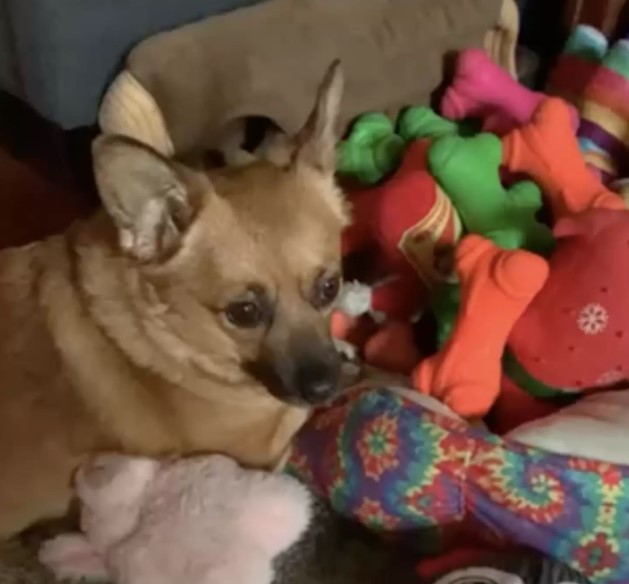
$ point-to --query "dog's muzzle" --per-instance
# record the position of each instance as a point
(305, 373)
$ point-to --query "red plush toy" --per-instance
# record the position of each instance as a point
(564, 323)
(574, 336)
(575, 333)
(405, 221)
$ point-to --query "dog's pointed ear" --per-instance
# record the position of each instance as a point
(145, 196)
(315, 144)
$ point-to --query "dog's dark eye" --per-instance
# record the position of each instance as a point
(326, 290)
(244, 314)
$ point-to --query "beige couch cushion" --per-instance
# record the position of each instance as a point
(183, 88)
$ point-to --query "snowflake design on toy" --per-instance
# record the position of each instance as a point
(593, 319)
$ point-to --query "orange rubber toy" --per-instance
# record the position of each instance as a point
(497, 285)
(546, 150)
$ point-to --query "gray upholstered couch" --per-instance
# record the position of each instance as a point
(59, 55)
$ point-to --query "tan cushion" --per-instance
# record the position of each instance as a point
(181, 89)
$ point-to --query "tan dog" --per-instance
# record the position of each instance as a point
(193, 316)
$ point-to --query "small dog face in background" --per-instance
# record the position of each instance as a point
(244, 262)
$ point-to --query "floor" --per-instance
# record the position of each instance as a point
(45, 175)
(32, 205)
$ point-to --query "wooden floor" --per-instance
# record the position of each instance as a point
(32, 205)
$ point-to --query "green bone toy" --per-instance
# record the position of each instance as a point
(468, 170)
(371, 151)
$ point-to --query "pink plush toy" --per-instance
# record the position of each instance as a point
(481, 89)
(200, 521)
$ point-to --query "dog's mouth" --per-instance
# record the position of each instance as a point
(310, 380)
(316, 393)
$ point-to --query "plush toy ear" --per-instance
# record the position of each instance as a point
(144, 195)
(72, 557)
(315, 144)
(276, 512)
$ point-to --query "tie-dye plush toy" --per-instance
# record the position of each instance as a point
(402, 465)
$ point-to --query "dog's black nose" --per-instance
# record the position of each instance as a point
(309, 372)
(318, 379)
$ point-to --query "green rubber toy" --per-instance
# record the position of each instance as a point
(416, 123)
(371, 151)
(468, 170)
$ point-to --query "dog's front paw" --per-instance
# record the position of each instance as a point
(355, 299)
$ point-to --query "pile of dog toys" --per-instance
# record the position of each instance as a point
(529, 313)
(513, 233)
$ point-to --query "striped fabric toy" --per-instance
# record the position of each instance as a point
(595, 78)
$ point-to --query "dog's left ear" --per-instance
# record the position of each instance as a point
(145, 194)
(315, 144)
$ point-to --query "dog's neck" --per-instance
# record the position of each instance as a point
(126, 308)
(199, 403)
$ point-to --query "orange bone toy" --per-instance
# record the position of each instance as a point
(547, 150)
(496, 287)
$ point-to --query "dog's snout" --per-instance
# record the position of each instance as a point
(316, 380)
(308, 371)
(299, 364)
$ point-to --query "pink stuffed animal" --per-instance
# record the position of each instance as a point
(206, 520)
(481, 89)
(198, 521)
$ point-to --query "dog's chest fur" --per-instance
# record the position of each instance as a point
(68, 390)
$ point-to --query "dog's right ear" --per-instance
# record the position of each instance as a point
(315, 144)
(145, 196)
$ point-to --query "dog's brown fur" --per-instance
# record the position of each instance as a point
(114, 335)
